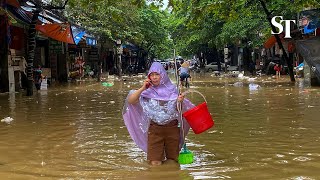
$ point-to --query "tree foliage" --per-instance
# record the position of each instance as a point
(154, 31)
(105, 18)
(216, 23)
(187, 25)
(129, 20)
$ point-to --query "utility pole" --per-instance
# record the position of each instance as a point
(100, 59)
(119, 52)
(226, 55)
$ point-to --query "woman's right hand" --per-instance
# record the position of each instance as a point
(146, 84)
(134, 97)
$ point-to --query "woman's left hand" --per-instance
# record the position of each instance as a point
(180, 97)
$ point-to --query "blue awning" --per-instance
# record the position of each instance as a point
(91, 41)
(77, 34)
(77, 38)
(130, 46)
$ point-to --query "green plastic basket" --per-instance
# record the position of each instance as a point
(185, 156)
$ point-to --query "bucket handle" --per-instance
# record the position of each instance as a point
(192, 90)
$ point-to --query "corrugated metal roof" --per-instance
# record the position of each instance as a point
(20, 14)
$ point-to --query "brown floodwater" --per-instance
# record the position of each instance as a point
(76, 131)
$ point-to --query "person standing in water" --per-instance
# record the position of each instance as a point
(184, 73)
(278, 69)
(152, 119)
(37, 75)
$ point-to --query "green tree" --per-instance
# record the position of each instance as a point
(102, 18)
(232, 20)
(154, 32)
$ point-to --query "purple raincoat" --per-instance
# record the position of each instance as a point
(137, 122)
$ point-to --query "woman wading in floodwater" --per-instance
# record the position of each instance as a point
(152, 118)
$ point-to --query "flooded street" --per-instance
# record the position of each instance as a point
(76, 131)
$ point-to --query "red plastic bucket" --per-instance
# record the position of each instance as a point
(199, 118)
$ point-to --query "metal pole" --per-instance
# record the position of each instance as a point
(176, 71)
(179, 105)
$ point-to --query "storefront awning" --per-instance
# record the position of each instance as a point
(130, 46)
(77, 34)
(58, 31)
(272, 41)
(50, 24)
(19, 14)
(91, 41)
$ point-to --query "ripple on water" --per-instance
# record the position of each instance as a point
(301, 178)
(302, 158)
(213, 173)
(282, 162)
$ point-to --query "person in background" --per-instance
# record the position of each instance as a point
(277, 68)
(37, 76)
(184, 73)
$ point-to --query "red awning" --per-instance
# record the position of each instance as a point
(58, 31)
(272, 41)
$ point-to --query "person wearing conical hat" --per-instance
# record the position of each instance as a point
(184, 72)
(185, 64)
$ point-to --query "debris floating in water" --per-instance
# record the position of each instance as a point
(7, 120)
(106, 84)
(253, 87)
(43, 163)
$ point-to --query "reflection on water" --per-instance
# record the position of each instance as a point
(77, 132)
